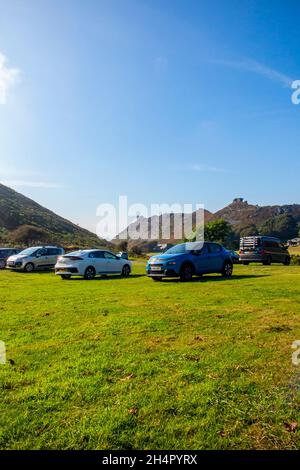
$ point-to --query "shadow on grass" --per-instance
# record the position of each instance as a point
(206, 278)
(109, 277)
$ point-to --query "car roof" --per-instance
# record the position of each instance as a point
(90, 250)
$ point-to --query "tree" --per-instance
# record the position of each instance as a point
(218, 231)
(249, 230)
(136, 250)
(283, 226)
(123, 245)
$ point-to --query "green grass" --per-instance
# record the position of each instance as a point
(129, 363)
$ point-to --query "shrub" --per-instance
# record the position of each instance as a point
(295, 260)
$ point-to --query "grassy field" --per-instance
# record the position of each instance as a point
(129, 363)
(294, 250)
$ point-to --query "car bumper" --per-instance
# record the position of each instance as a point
(67, 270)
(15, 267)
(163, 272)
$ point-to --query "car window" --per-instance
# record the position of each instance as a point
(96, 254)
(108, 255)
(41, 252)
(215, 248)
(53, 251)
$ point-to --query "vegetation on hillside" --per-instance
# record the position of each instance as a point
(23, 221)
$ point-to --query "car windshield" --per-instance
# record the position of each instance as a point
(177, 249)
(28, 251)
(3, 253)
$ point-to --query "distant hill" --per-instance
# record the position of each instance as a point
(242, 215)
(19, 214)
(245, 219)
(143, 227)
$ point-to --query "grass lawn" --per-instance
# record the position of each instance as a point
(294, 250)
(128, 363)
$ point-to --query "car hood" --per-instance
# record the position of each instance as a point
(164, 257)
(15, 257)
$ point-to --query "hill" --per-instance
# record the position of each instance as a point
(245, 219)
(21, 216)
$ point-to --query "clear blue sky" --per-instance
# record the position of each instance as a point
(162, 100)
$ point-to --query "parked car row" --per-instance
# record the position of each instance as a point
(183, 261)
(86, 263)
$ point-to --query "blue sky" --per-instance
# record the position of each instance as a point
(164, 101)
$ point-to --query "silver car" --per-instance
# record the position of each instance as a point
(37, 257)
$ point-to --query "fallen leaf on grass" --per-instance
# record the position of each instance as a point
(291, 427)
(128, 377)
(198, 338)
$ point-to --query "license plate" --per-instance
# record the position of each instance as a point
(155, 268)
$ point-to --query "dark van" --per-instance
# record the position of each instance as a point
(265, 250)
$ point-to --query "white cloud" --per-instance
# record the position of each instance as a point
(205, 168)
(259, 69)
(8, 77)
(30, 184)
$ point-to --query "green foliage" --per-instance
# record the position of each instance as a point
(122, 245)
(249, 231)
(283, 226)
(295, 260)
(218, 231)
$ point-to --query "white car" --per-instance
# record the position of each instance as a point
(89, 263)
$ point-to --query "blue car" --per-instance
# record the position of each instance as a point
(189, 259)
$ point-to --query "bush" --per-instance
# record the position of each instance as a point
(29, 234)
(295, 260)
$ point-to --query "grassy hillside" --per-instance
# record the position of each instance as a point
(129, 363)
(17, 210)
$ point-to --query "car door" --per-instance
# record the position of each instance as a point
(215, 258)
(41, 258)
(113, 263)
(98, 261)
(201, 260)
(52, 254)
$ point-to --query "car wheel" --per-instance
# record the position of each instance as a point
(157, 279)
(126, 270)
(227, 269)
(65, 276)
(287, 261)
(186, 273)
(268, 261)
(29, 267)
(89, 273)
